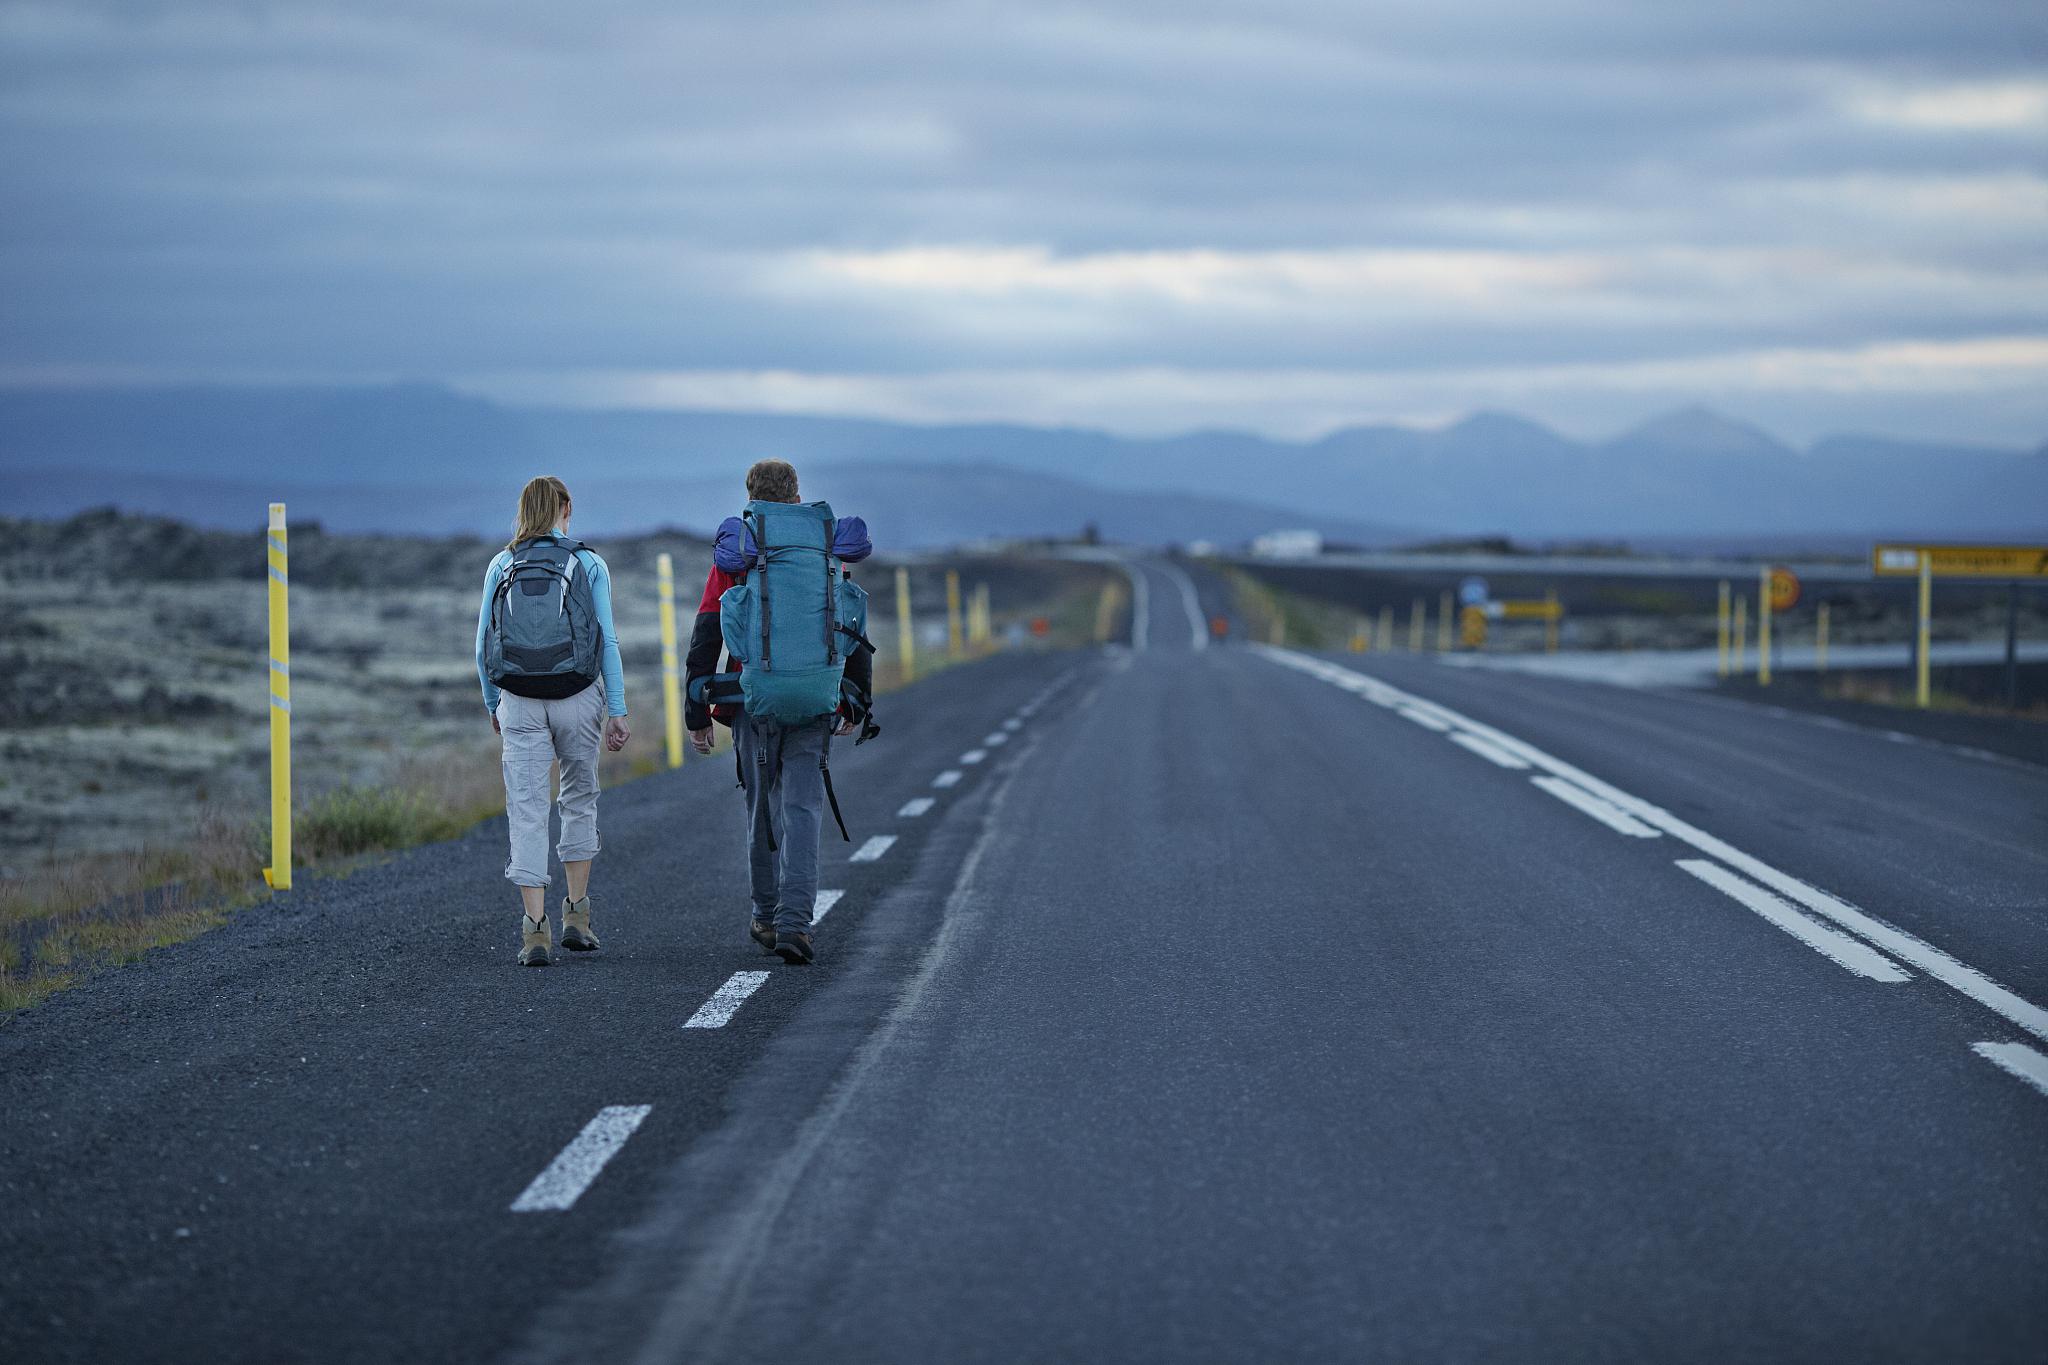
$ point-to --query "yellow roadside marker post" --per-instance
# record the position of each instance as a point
(1443, 622)
(1358, 638)
(906, 638)
(1741, 642)
(279, 873)
(1763, 627)
(1416, 625)
(1820, 638)
(1472, 627)
(979, 630)
(1106, 608)
(1923, 691)
(1550, 621)
(671, 673)
(1721, 632)
(1385, 634)
(953, 643)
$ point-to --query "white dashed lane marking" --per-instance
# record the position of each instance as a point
(1612, 816)
(1424, 719)
(1013, 724)
(995, 738)
(974, 756)
(915, 807)
(2021, 1060)
(570, 1173)
(1896, 942)
(873, 849)
(826, 900)
(1489, 751)
(715, 1012)
(947, 778)
(1858, 957)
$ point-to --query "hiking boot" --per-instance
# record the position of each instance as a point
(534, 941)
(576, 935)
(762, 931)
(794, 949)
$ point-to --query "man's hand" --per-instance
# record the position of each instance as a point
(494, 724)
(844, 727)
(616, 733)
(700, 740)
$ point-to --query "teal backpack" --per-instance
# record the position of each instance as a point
(796, 618)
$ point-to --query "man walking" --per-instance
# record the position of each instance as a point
(780, 604)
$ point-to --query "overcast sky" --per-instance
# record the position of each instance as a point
(1284, 215)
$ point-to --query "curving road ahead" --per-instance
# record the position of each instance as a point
(1182, 1001)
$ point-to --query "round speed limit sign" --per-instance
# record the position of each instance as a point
(1784, 589)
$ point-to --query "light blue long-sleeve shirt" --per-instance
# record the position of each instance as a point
(600, 598)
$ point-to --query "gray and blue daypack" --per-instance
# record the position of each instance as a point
(795, 620)
(543, 640)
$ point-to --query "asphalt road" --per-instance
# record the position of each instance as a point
(1234, 1004)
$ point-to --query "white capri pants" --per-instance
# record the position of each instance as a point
(538, 732)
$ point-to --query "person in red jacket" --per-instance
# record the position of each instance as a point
(783, 847)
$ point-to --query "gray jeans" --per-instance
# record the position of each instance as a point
(538, 733)
(783, 769)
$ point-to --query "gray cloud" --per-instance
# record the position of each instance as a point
(466, 189)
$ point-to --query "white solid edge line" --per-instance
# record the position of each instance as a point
(715, 1012)
(1907, 948)
(1850, 953)
(1492, 753)
(2019, 1059)
(575, 1166)
(823, 905)
(874, 848)
(1424, 719)
(915, 806)
(974, 756)
(947, 778)
(1607, 814)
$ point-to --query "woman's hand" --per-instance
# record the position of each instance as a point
(616, 733)
(494, 724)
(700, 740)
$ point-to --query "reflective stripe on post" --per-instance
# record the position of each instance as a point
(671, 673)
(279, 873)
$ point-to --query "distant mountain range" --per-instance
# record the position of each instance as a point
(423, 459)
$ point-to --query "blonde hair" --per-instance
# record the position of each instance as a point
(541, 504)
(772, 481)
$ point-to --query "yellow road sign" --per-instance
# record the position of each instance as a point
(1531, 609)
(1962, 561)
(1784, 589)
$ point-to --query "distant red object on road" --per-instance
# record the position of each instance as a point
(1040, 626)
(1219, 626)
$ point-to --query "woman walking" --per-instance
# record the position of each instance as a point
(548, 657)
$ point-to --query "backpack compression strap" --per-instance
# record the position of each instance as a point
(761, 578)
(831, 602)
